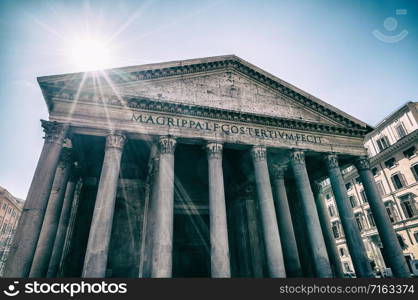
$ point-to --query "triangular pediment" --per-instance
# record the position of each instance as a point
(225, 82)
(227, 90)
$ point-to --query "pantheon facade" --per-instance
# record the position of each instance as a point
(194, 168)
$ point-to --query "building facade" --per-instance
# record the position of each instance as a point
(392, 150)
(10, 210)
(195, 168)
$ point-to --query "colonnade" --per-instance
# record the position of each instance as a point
(39, 238)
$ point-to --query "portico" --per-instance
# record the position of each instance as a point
(192, 168)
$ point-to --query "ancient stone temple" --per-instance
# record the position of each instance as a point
(195, 168)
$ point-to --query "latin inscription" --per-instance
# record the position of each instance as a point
(225, 128)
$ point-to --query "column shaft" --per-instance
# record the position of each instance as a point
(316, 240)
(162, 256)
(272, 242)
(284, 219)
(387, 234)
(220, 265)
(24, 244)
(332, 249)
(69, 234)
(95, 260)
(62, 226)
(256, 244)
(50, 224)
(351, 231)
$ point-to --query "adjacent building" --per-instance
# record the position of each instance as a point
(10, 210)
(392, 149)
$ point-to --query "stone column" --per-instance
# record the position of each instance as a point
(220, 265)
(162, 256)
(62, 225)
(387, 234)
(95, 260)
(332, 250)
(69, 234)
(273, 246)
(313, 228)
(29, 227)
(256, 244)
(52, 215)
(284, 219)
(351, 231)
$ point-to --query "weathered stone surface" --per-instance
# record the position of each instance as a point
(272, 242)
(351, 231)
(95, 260)
(316, 240)
(220, 266)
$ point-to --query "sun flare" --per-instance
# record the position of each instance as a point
(90, 54)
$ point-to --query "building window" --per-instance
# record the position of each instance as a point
(382, 143)
(348, 186)
(401, 242)
(414, 170)
(410, 152)
(327, 196)
(375, 171)
(408, 205)
(370, 218)
(398, 181)
(336, 229)
(331, 210)
(390, 211)
(416, 236)
(342, 251)
(347, 267)
(363, 196)
(400, 130)
(353, 201)
(359, 222)
(390, 163)
(380, 188)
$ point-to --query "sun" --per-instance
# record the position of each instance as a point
(90, 54)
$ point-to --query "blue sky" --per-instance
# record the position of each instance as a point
(323, 47)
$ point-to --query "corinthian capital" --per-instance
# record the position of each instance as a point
(115, 141)
(297, 157)
(167, 144)
(214, 150)
(54, 132)
(277, 171)
(362, 163)
(331, 161)
(259, 153)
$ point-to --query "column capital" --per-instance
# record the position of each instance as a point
(115, 140)
(297, 156)
(331, 161)
(278, 170)
(55, 132)
(214, 150)
(259, 153)
(362, 163)
(167, 144)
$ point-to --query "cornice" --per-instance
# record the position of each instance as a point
(70, 83)
(405, 141)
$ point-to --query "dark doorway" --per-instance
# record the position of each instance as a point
(191, 249)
